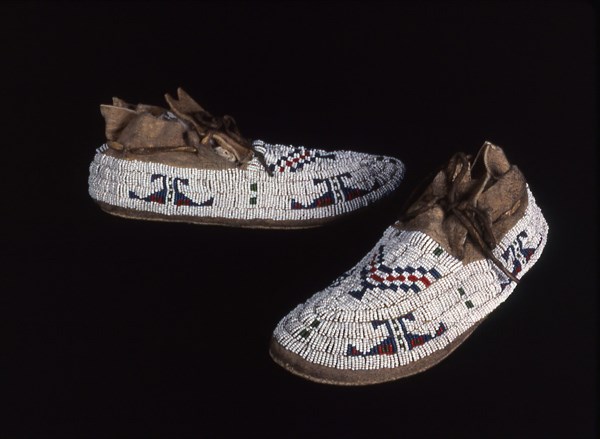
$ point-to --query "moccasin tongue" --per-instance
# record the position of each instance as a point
(505, 184)
(139, 130)
(140, 126)
(230, 149)
(502, 196)
(146, 131)
(116, 119)
(488, 185)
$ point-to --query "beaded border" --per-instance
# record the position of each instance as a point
(315, 184)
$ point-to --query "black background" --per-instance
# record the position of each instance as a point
(124, 328)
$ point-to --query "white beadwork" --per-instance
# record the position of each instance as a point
(250, 193)
(458, 298)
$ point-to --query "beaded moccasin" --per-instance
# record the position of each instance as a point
(183, 164)
(456, 254)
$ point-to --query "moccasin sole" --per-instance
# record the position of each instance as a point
(297, 365)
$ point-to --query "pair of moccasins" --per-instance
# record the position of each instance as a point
(454, 255)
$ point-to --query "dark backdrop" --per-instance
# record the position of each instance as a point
(123, 328)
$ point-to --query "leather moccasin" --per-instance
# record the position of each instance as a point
(457, 253)
(183, 164)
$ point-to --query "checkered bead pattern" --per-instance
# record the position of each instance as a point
(296, 159)
(407, 298)
(303, 184)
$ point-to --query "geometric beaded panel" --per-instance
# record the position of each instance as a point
(297, 158)
(377, 274)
